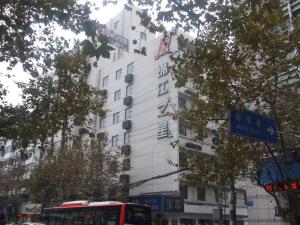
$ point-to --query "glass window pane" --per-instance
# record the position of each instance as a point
(118, 74)
(130, 68)
(201, 193)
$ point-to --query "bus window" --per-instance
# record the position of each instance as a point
(89, 217)
(68, 219)
(107, 216)
(137, 215)
(112, 216)
(78, 217)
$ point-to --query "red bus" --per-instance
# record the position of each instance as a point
(98, 213)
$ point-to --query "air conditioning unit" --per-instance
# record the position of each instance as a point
(101, 135)
(125, 150)
(84, 130)
(129, 78)
(126, 164)
(127, 101)
(124, 179)
(127, 125)
(103, 93)
(193, 146)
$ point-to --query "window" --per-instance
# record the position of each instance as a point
(129, 90)
(205, 222)
(183, 191)
(143, 36)
(117, 95)
(114, 141)
(187, 222)
(182, 128)
(118, 74)
(102, 123)
(163, 88)
(128, 113)
(216, 195)
(130, 68)
(127, 137)
(181, 102)
(120, 53)
(201, 193)
(116, 24)
(116, 118)
(105, 81)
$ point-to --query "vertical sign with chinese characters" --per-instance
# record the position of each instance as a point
(162, 69)
(163, 130)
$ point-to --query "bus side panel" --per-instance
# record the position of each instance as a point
(122, 214)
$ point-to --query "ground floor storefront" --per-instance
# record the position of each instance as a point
(173, 210)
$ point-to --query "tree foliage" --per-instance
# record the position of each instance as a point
(245, 56)
(27, 28)
(11, 184)
(54, 102)
(80, 172)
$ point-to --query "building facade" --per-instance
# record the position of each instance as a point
(12, 165)
(141, 94)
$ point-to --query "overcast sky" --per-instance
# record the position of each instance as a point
(103, 14)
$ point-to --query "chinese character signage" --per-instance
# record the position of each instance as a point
(162, 109)
(172, 204)
(282, 175)
(160, 203)
(162, 69)
(163, 130)
(252, 125)
(115, 38)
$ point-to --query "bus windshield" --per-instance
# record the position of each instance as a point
(137, 215)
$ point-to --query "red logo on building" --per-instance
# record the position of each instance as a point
(163, 47)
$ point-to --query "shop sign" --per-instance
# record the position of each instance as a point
(161, 203)
(115, 38)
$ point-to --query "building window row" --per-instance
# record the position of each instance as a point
(117, 94)
(118, 74)
(116, 118)
(201, 192)
(126, 140)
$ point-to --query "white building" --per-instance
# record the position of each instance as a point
(140, 93)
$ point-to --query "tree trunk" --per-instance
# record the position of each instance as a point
(232, 203)
(64, 133)
(293, 216)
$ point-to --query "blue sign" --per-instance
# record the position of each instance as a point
(172, 204)
(161, 203)
(250, 203)
(252, 125)
(290, 168)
